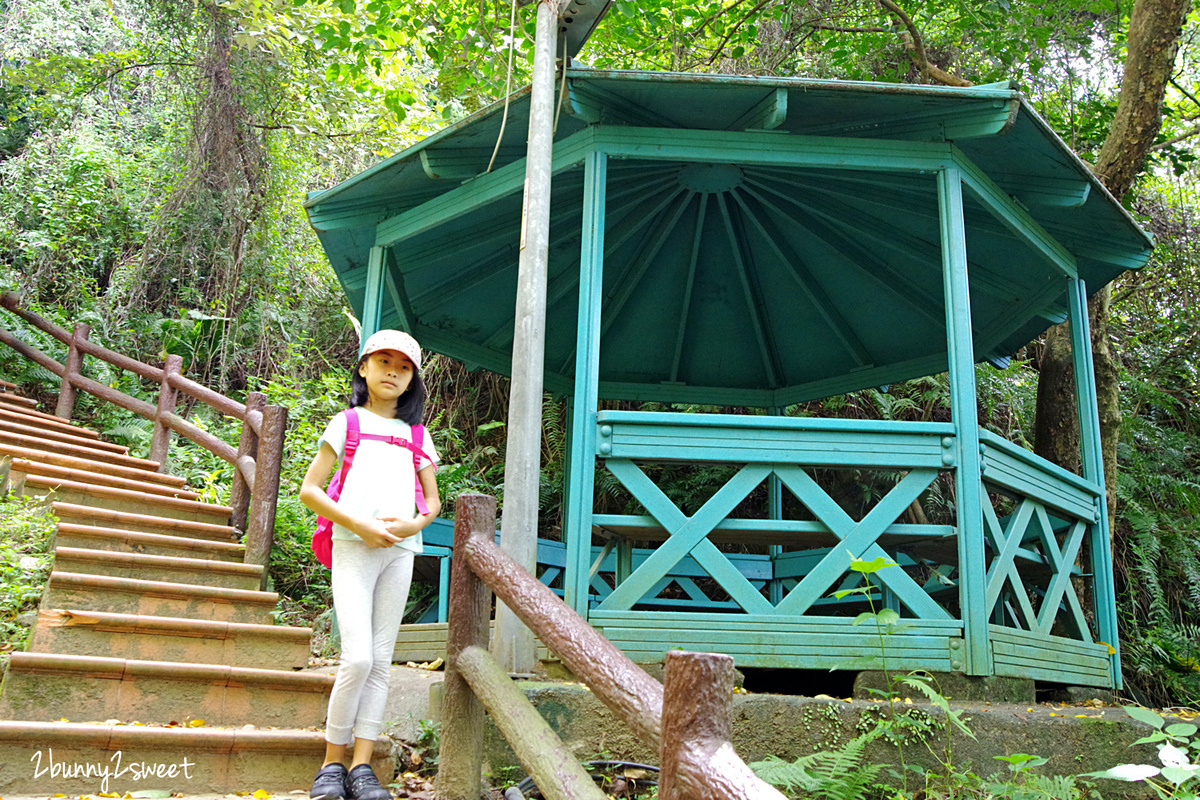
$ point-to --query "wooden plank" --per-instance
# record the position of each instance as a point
(1056, 675)
(1018, 479)
(1041, 642)
(811, 533)
(995, 443)
(756, 147)
(826, 625)
(749, 423)
(854, 641)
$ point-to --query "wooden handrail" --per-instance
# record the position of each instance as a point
(688, 721)
(257, 459)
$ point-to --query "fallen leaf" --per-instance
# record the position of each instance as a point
(195, 723)
(149, 793)
(432, 665)
(261, 794)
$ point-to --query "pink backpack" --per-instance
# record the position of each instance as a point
(322, 540)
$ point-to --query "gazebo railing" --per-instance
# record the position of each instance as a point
(1038, 520)
(687, 718)
(256, 460)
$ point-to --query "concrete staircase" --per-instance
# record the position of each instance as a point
(154, 663)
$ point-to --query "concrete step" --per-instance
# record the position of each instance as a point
(143, 523)
(173, 569)
(188, 761)
(16, 400)
(95, 537)
(157, 598)
(53, 472)
(53, 433)
(54, 423)
(44, 456)
(44, 687)
(110, 497)
(196, 641)
(77, 451)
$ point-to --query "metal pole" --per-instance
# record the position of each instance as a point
(513, 644)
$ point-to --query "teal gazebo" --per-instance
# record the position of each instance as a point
(757, 243)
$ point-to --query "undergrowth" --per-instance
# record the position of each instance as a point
(26, 529)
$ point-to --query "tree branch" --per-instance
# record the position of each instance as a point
(1188, 134)
(128, 67)
(292, 128)
(916, 49)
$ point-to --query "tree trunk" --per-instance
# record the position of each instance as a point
(1155, 28)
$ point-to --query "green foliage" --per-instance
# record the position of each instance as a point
(1177, 777)
(832, 775)
(26, 529)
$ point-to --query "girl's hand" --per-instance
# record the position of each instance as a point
(375, 533)
(403, 528)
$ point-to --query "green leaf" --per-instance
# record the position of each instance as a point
(1144, 715)
(1181, 729)
(868, 567)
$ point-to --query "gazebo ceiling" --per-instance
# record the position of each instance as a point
(766, 240)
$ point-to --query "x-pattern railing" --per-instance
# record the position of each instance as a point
(688, 535)
(1028, 535)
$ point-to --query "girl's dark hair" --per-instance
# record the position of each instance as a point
(410, 406)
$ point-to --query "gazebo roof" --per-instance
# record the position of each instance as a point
(767, 240)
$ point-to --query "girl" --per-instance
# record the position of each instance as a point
(376, 533)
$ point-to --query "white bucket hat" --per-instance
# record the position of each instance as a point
(388, 339)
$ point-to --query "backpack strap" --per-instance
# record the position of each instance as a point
(418, 435)
(353, 437)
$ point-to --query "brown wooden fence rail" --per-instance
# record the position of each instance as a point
(257, 458)
(687, 718)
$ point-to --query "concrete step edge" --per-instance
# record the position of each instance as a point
(17, 400)
(52, 433)
(208, 529)
(15, 415)
(54, 472)
(162, 589)
(141, 498)
(117, 558)
(71, 529)
(105, 667)
(111, 622)
(21, 440)
(73, 462)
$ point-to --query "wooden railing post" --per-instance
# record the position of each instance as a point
(160, 443)
(242, 489)
(67, 391)
(460, 763)
(260, 526)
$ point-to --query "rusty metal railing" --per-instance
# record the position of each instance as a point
(257, 459)
(687, 718)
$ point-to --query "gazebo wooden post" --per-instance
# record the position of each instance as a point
(1092, 463)
(581, 457)
(968, 487)
(373, 295)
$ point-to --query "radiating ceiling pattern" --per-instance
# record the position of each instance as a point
(738, 282)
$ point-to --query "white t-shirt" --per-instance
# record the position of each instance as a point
(381, 481)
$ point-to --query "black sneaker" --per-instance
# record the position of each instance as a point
(363, 785)
(332, 783)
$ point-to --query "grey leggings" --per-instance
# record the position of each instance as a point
(370, 590)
